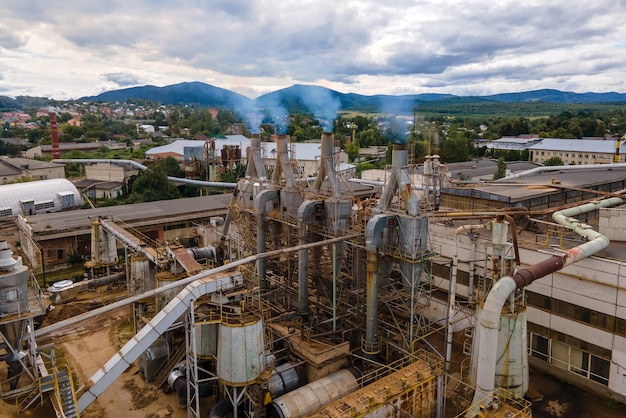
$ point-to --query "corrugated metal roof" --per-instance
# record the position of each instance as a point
(577, 145)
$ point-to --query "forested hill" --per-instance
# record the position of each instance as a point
(309, 98)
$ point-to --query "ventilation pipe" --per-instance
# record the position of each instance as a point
(260, 204)
(399, 180)
(373, 240)
(503, 288)
(304, 218)
(452, 289)
(255, 168)
(327, 169)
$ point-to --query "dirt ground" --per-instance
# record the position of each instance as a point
(88, 346)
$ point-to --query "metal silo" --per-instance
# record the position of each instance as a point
(241, 355)
(13, 301)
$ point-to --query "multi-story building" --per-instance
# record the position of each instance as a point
(578, 151)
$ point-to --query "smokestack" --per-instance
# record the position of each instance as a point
(56, 152)
(617, 151)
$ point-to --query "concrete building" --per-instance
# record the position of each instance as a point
(17, 168)
(306, 156)
(52, 238)
(579, 151)
(104, 180)
(41, 151)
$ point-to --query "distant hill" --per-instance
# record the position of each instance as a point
(299, 98)
(310, 98)
(557, 96)
(196, 93)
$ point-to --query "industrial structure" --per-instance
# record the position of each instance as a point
(314, 300)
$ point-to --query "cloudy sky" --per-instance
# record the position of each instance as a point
(72, 48)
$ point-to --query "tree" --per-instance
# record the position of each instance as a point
(352, 149)
(501, 170)
(455, 149)
(153, 185)
(553, 161)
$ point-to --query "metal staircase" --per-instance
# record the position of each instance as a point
(65, 396)
(165, 369)
(61, 388)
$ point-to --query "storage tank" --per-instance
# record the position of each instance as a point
(13, 301)
(241, 352)
(315, 395)
(151, 360)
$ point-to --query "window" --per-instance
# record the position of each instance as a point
(6, 212)
(46, 204)
(539, 347)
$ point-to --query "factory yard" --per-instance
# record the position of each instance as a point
(89, 345)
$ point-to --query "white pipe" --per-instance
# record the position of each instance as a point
(144, 168)
(563, 168)
(452, 291)
(500, 292)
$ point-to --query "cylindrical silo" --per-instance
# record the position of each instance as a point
(13, 300)
(241, 352)
(315, 395)
(206, 340)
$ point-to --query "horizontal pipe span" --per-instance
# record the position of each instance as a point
(144, 168)
(151, 293)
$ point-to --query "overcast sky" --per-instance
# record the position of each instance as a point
(72, 48)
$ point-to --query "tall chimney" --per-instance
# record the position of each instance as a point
(56, 152)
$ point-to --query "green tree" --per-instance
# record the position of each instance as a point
(455, 149)
(552, 161)
(352, 149)
(153, 185)
(501, 170)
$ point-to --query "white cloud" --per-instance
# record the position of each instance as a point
(67, 49)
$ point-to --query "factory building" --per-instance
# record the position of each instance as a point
(321, 300)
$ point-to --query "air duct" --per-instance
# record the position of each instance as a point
(505, 286)
(315, 395)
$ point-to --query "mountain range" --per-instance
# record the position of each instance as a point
(302, 98)
(311, 98)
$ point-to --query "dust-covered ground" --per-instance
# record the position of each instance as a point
(87, 346)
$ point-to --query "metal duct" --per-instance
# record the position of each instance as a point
(260, 203)
(304, 217)
(315, 395)
(144, 168)
(283, 167)
(500, 292)
(373, 239)
(255, 168)
(399, 180)
(327, 169)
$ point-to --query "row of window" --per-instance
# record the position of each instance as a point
(569, 358)
(568, 310)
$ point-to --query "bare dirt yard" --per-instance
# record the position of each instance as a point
(87, 346)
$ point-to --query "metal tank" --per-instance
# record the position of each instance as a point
(151, 360)
(315, 395)
(283, 380)
(206, 340)
(241, 355)
(13, 301)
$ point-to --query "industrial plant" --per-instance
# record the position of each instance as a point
(312, 297)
